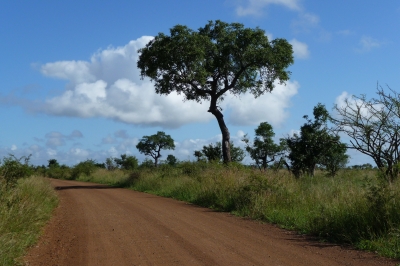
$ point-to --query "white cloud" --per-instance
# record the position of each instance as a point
(14, 147)
(368, 43)
(109, 85)
(300, 49)
(346, 99)
(271, 107)
(79, 152)
(51, 152)
(74, 71)
(255, 7)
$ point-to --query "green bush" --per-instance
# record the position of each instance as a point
(13, 169)
(127, 162)
(60, 172)
(83, 168)
(23, 212)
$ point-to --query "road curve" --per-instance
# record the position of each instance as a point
(98, 225)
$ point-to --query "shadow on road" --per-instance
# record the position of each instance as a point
(84, 187)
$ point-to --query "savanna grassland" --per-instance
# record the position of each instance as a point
(356, 207)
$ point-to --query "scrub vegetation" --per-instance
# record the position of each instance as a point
(26, 203)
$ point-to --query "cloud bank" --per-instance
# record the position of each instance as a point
(109, 86)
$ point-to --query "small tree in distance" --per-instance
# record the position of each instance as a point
(263, 150)
(152, 145)
(199, 155)
(316, 145)
(171, 160)
(213, 152)
(127, 162)
(206, 64)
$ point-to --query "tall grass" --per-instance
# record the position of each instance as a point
(354, 207)
(24, 209)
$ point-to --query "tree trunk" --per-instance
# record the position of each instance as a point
(226, 149)
(311, 170)
(264, 163)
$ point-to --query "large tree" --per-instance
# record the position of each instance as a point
(204, 65)
(152, 145)
(373, 126)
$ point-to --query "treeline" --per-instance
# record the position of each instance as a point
(317, 145)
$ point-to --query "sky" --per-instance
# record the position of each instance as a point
(70, 89)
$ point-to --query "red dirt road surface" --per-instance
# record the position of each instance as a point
(98, 225)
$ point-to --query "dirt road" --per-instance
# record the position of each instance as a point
(98, 225)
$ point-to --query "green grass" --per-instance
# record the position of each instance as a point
(24, 210)
(354, 207)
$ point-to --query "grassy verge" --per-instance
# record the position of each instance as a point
(24, 209)
(354, 207)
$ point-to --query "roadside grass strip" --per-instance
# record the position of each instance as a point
(24, 210)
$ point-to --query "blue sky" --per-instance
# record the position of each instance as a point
(70, 89)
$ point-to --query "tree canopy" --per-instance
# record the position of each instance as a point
(316, 145)
(213, 152)
(218, 58)
(263, 150)
(127, 162)
(152, 145)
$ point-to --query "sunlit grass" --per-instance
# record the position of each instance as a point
(23, 212)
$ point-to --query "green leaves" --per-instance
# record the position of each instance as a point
(263, 149)
(213, 152)
(152, 145)
(216, 58)
(316, 145)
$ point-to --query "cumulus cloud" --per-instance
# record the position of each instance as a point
(109, 86)
(346, 99)
(271, 107)
(255, 7)
(300, 49)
